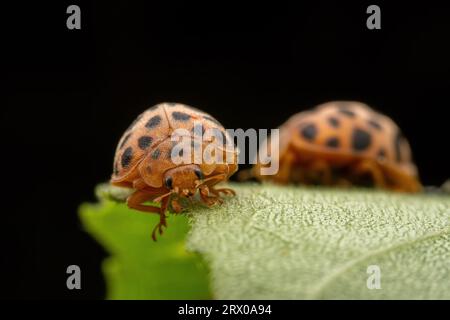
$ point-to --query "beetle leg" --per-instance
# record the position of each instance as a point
(139, 184)
(205, 196)
(323, 169)
(297, 175)
(135, 200)
(284, 173)
(373, 169)
(166, 195)
(225, 191)
(204, 192)
(176, 206)
(220, 176)
(162, 218)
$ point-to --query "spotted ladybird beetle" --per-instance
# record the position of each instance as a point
(343, 143)
(143, 161)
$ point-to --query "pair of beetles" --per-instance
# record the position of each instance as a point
(337, 143)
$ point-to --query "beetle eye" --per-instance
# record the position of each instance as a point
(168, 182)
(198, 173)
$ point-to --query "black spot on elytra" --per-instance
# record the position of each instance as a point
(361, 139)
(332, 142)
(374, 124)
(381, 154)
(153, 122)
(124, 141)
(156, 154)
(309, 132)
(209, 118)
(346, 111)
(144, 142)
(127, 155)
(180, 116)
(334, 122)
(398, 146)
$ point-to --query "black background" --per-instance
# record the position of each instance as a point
(71, 93)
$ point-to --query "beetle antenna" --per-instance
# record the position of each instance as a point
(160, 198)
(217, 176)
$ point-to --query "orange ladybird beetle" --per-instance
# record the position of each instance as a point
(143, 161)
(344, 143)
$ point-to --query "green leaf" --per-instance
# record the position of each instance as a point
(275, 242)
(138, 267)
(272, 242)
